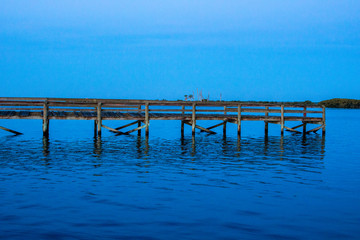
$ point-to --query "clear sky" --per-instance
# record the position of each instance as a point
(162, 49)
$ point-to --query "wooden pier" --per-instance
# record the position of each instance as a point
(141, 112)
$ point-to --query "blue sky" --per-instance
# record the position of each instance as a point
(245, 50)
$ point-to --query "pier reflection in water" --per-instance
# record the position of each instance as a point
(304, 153)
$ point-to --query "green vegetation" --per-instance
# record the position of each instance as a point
(331, 103)
(341, 103)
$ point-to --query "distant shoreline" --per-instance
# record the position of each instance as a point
(341, 103)
(331, 103)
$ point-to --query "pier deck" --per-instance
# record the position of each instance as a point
(142, 111)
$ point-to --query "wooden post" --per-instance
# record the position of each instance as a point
(323, 120)
(139, 122)
(147, 119)
(46, 119)
(95, 128)
(193, 118)
(182, 122)
(266, 122)
(304, 126)
(95, 125)
(282, 122)
(99, 121)
(224, 126)
(239, 121)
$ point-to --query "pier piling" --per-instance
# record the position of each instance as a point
(147, 119)
(139, 122)
(282, 120)
(304, 123)
(193, 118)
(99, 119)
(224, 126)
(323, 120)
(239, 121)
(266, 121)
(46, 119)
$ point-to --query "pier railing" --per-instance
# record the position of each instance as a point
(142, 111)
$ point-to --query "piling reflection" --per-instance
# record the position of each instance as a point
(97, 146)
(46, 144)
(142, 146)
(299, 153)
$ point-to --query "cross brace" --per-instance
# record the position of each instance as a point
(291, 129)
(127, 125)
(315, 129)
(199, 127)
(9, 130)
(112, 129)
(138, 128)
(216, 125)
(298, 126)
(116, 130)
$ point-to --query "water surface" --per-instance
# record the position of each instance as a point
(75, 186)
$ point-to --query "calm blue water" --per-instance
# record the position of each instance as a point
(73, 186)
